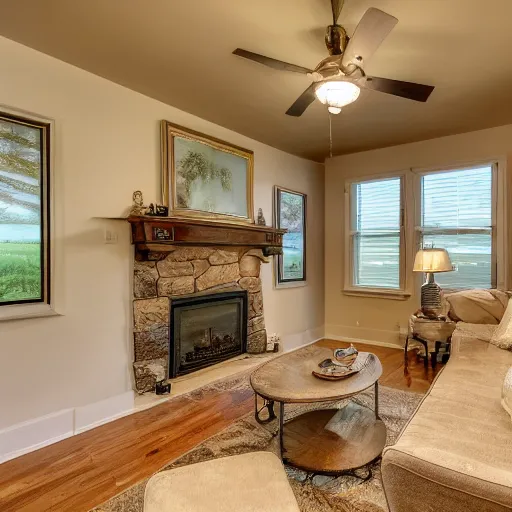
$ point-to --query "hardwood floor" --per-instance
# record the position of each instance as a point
(83, 471)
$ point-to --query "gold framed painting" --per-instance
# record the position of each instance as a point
(206, 178)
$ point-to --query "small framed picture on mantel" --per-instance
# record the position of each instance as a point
(206, 178)
(290, 214)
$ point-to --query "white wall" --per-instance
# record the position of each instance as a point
(107, 144)
(377, 319)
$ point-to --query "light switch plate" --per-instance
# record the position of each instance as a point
(110, 237)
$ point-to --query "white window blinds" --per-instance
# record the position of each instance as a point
(376, 234)
(457, 214)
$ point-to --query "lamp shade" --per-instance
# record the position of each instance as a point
(432, 260)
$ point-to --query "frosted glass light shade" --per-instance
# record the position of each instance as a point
(432, 260)
(337, 94)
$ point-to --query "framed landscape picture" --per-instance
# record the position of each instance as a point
(204, 177)
(24, 210)
(290, 214)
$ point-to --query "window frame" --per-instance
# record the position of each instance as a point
(349, 286)
(498, 216)
(29, 308)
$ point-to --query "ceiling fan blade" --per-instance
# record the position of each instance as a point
(409, 90)
(336, 6)
(271, 63)
(374, 27)
(303, 101)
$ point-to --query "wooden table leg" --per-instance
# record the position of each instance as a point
(377, 399)
(425, 344)
(281, 428)
(407, 374)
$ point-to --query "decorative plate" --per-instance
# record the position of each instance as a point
(333, 370)
(322, 374)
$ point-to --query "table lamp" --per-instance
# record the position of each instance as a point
(430, 261)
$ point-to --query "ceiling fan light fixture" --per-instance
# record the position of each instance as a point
(336, 94)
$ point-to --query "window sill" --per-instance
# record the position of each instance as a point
(377, 293)
(22, 311)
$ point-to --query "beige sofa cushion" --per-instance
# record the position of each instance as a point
(478, 306)
(471, 332)
(250, 482)
(502, 337)
(506, 393)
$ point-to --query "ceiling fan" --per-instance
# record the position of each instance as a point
(337, 79)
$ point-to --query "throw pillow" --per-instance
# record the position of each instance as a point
(477, 306)
(506, 394)
(502, 336)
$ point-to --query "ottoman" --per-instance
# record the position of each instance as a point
(252, 482)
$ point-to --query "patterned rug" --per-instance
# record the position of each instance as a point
(314, 493)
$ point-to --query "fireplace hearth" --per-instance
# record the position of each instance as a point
(206, 329)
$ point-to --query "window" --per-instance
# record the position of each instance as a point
(458, 214)
(376, 234)
(24, 206)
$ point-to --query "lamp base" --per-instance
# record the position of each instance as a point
(430, 296)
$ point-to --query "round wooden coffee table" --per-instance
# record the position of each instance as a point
(327, 441)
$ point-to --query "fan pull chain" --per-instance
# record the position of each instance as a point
(330, 135)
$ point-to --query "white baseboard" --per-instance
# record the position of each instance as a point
(380, 337)
(96, 414)
(364, 342)
(305, 345)
(291, 342)
(31, 435)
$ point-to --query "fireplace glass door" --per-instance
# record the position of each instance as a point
(206, 330)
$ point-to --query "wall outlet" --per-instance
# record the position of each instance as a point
(272, 340)
(110, 237)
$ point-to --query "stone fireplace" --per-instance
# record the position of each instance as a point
(195, 275)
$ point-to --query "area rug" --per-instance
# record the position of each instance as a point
(314, 493)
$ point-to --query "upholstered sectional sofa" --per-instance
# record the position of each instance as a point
(455, 453)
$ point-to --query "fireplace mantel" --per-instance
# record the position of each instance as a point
(154, 237)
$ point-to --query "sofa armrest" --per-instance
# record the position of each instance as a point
(414, 485)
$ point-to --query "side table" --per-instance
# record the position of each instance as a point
(423, 330)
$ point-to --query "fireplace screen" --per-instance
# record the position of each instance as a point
(206, 330)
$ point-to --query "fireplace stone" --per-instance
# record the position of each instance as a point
(188, 270)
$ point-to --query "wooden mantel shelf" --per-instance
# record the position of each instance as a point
(154, 236)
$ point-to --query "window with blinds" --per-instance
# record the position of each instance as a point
(376, 233)
(457, 214)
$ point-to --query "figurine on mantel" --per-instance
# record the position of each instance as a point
(153, 210)
(261, 219)
(138, 207)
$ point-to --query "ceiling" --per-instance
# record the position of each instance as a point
(179, 52)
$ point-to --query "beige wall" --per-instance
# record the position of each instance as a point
(107, 145)
(376, 318)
